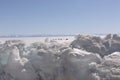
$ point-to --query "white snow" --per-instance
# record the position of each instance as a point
(29, 40)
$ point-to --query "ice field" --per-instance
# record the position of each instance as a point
(81, 57)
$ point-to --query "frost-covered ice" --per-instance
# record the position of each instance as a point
(84, 57)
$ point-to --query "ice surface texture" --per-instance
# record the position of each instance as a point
(86, 58)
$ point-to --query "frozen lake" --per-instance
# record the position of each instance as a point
(28, 40)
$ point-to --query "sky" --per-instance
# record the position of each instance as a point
(59, 16)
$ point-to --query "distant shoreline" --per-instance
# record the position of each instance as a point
(22, 36)
(39, 35)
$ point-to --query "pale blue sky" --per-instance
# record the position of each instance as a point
(59, 16)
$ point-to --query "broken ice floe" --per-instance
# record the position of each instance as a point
(86, 58)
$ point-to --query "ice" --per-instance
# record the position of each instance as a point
(102, 46)
(109, 69)
(84, 57)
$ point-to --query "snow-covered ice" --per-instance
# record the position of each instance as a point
(84, 57)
